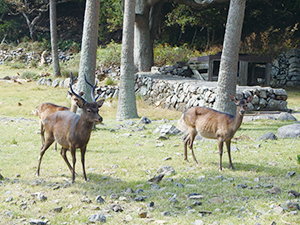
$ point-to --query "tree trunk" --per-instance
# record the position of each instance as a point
(229, 59)
(53, 33)
(143, 46)
(127, 104)
(87, 64)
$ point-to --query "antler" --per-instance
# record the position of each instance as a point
(73, 92)
(93, 89)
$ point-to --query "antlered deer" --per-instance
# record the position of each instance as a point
(45, 109)
(71, 131)
(212, 124)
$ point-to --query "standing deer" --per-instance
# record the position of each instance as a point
(71, 131)
(212, 124)
(45, 109)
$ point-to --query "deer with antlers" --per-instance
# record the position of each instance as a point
(72, 131)
(212, 124)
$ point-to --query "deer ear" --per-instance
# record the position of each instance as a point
(250, 98)
(79, 102)
(233, 98)
(100, 103)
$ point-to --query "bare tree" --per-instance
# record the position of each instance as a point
(229, 59)
(127, 104)
(53, 33)
(31, 13)
(87, 64)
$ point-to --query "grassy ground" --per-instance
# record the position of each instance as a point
(116, 162)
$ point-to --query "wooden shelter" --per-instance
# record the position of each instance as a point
(252, 70)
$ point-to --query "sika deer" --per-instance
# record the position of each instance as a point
(45, 109)
(71, 131)
(212, 124)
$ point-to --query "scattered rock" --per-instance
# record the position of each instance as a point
(142, 214)
(116, 208)
(274, 190)
(145, 120)
(156, 179)
(284, 116)
(166, 170)
(289, 131)
(37, 222)
(97, 218)
(294, 193)
(166, 214)
(99, 199)
(290, 174)
(167, 129)
(216, 200)
(267, 136)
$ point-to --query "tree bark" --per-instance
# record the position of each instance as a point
(144, 38)
(126, 103)
(53, 33)
(87, 64)
(229, 59)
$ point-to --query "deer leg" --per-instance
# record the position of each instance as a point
(83, 150)
(192, 135)
(186, 139)
(42, 133)
(73, 151)
(220, 144)
(55, 146)
(229, 154)
(44, 148)
(63, 153)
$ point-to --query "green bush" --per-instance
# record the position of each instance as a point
(17, 65)
(109, 81)
(30, 75)
(109, 55)
(168, 55)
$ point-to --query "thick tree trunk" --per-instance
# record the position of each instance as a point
(53, 33)
(87, 64)
(143, 46)
(127, 104)
(229, 59)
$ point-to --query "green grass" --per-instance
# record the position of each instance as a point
(115, 162)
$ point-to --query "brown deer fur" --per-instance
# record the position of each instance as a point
(212, 124)
(71, 131)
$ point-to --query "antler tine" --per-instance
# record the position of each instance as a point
(93, 89)
(73, 92)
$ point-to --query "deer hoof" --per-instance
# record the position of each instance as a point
(186, 160)
(220, 169)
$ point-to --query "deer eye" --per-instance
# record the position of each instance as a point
(88, 110)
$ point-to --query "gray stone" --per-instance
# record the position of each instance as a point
(99, 199)
(166, 170)
(55, 83)
(37, 222)
(289, 131)
(145, 120)
(267, 136)
(41, 81)
(284, 116)
(97, 218)
(167, 129)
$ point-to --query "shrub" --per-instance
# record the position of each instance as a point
(109, 55)
(30, 75)
(17, 65)
(109, 81)
(168, 55)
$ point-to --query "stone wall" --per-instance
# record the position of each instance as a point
(179, 94)
(286, 69)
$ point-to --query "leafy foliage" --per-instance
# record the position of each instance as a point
(109, 55)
